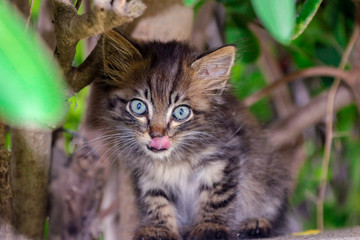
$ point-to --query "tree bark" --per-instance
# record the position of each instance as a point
(71, 27)
(6, 192)
(30, 158)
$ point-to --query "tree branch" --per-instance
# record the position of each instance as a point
(81, 76)
(71, 27)
(330, 122)
(309, 72)
(284, 131)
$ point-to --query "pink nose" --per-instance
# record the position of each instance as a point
(160, 143)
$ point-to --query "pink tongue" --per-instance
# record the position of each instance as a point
(160, 143)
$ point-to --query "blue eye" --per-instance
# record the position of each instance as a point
(181, 113)
(138, 107)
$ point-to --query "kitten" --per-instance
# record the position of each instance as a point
(200, 164)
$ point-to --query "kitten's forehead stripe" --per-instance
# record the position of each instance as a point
(119, 99)
(177, 98)
(148, 81)
(170, 96)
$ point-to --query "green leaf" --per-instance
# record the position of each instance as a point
(305, 16)
(190, 3)
(246, 42)
(32, 91)
(277, 16)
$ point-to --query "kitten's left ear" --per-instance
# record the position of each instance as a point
(213, 69)
(118, 53)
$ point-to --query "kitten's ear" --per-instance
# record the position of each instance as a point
(118, 53)
(213, 69)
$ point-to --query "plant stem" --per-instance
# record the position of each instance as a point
(329, 127)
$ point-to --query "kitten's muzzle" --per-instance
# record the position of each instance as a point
(159, 144)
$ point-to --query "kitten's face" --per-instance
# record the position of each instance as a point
(158, 127)
(162, 96)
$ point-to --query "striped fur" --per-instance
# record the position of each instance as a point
(218, 179)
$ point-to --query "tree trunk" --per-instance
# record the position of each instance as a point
(30, 159)
(5, 189)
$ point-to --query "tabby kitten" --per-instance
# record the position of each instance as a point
(200, 164)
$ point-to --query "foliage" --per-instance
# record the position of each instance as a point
(305, 16)
(32, 91)
(278, 17)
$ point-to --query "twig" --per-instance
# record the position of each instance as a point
(309, 72)
(29, 17)
(329, 126)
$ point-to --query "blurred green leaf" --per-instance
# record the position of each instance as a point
(73, 117)
(246, 81)
(278, 17)
(190, 3)
(32, 91)
(246, 42)
(243, 8)
(305, 16)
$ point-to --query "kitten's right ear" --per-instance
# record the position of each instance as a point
(213, 69)
(118, 53)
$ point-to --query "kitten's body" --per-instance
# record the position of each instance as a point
(218, 179)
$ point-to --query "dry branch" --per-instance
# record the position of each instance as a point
(309, 72)
(284, 131)
(71, 27)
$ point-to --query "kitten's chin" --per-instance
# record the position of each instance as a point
(157, 154)
(154, 150)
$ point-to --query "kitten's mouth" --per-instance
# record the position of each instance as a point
(159, 144)
(155, 150)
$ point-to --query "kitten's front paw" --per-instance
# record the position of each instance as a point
(155, 233)
(209, 231)
(254, 228)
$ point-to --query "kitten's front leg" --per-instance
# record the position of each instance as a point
(216, 208)
(214, 215)
(159, 217)
(254, 228)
